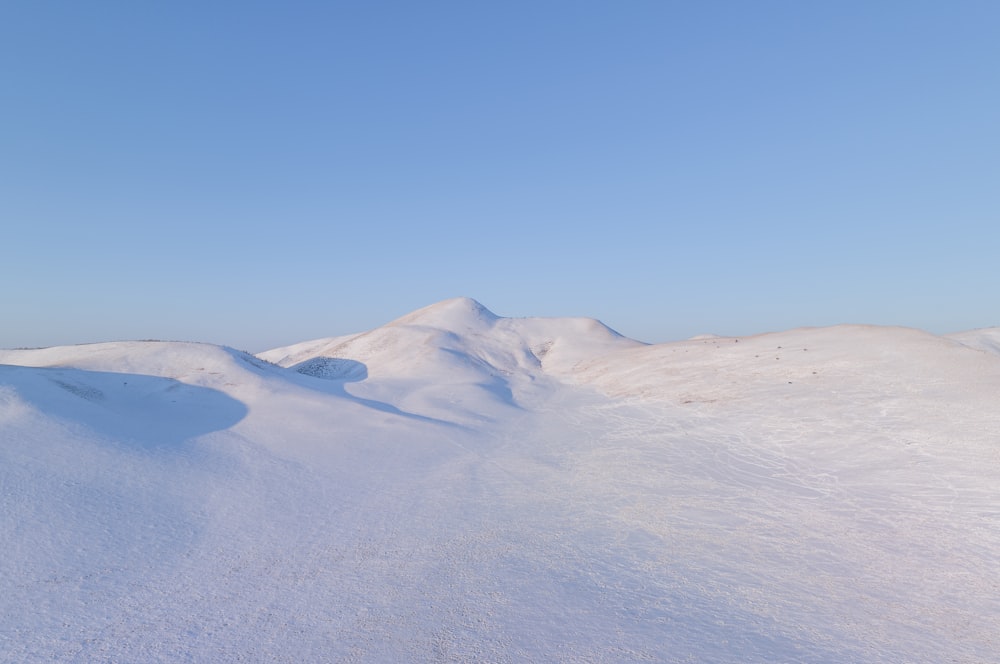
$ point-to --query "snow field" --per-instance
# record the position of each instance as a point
(457, 486)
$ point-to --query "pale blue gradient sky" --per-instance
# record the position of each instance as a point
(256, 174)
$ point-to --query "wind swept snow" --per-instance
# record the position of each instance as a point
(459, 486)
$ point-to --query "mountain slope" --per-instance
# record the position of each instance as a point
(987, 339)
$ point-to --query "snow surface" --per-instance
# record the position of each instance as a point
(458, 486)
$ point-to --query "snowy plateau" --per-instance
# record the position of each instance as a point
(461, 487)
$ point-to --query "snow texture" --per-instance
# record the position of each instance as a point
(456, 486)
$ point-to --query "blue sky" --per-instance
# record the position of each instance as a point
(256, 174)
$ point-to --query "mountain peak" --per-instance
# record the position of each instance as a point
(453, 313)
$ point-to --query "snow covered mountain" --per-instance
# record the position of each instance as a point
(459, 486)
(456, 360)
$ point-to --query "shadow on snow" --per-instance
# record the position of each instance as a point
(152, 411)
(336, 372)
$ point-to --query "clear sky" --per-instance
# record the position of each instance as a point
(260, 173)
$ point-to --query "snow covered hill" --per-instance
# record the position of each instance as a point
(456, 360)
(986, 339)
(459, 486)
